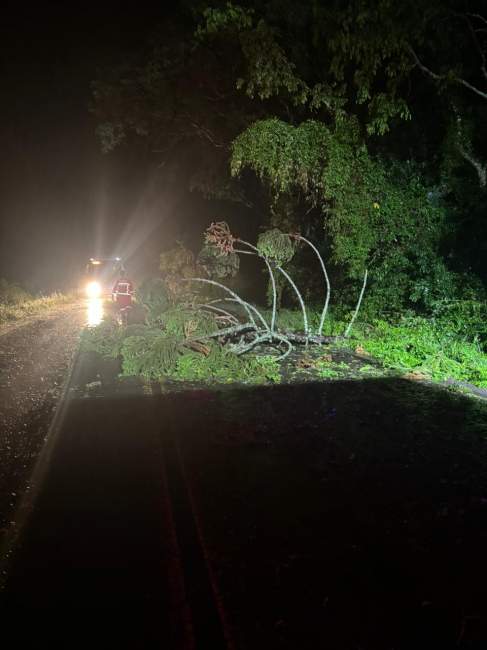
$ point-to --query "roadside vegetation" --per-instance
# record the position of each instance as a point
(160, 354)
(187, 326)
(428, 349)
(359, 161)
(451, 344)
(16, 303)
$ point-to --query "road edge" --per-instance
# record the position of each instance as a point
(12, 538)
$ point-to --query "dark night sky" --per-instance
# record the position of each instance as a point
(61, 200)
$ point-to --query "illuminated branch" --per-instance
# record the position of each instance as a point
(256, 330)
(209, 307)
(227, 331)
(479, 17)
(271, 275)
(347, 331)
(327, 280)
(233, 294)
(301, 301)
(267, 337)
(251, 307)
(274, 292)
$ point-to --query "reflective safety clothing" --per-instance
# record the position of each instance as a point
(123, 292)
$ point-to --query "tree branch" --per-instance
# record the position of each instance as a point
(204, 132)
(480, 168)
(438, 77)
(478, 47)
(463, 145)
(479, 17)
(422, 67)
(347, 331)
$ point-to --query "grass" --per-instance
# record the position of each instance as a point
(10, 312)
(425, 347)
(450, 346)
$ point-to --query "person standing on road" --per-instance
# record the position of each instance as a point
(123, 291)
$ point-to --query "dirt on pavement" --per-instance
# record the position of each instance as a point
(35, 356)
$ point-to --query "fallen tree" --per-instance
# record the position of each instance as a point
(184, 330)
(275, 249)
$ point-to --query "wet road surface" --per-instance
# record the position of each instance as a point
(110, 547)
(35, 357)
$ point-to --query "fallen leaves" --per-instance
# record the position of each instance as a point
(415, 376)
(361, 351)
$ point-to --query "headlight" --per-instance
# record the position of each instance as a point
(93, 290)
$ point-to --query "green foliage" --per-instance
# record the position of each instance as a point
(269, 71)
(451, 345)
(373, 38)
(286, 156)
(110, 135)
(153, 355)
(418, 345)
(350, 67)
(177, 265)
(292, 320)
(105, 339)
(177, 261)
(345, 36)
(276, 246)
(465, 320)
(222, 366)
(325, 371)
(230, 17)
(185, 322)
(152, 293)
(216, 265)
(377, 225)
(158, 355)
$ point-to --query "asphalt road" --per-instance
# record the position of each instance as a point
(96, 553)
(35, 358)
(108, 554)
(352, 513)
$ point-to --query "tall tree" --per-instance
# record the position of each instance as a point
(301, 94)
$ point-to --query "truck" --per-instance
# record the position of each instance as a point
(100, 276)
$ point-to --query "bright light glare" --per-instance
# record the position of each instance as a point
(93, 290)
(95, 312)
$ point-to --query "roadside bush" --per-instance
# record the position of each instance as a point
(463, 319)
(12, 311)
